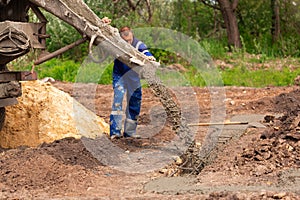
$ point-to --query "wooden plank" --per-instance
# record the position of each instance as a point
(218, 123)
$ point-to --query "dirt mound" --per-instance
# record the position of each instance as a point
(279, 145)
(45, 114)
(47, 166)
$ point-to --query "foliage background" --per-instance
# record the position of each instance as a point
(202, 23)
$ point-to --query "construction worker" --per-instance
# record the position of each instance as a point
(126, 80)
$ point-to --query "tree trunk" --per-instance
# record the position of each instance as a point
(139, 6)
(228, 11)
(275, 29)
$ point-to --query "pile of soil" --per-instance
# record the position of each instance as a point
(49, 166)
(279, 145)
(45, 114)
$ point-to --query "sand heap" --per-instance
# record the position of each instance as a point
(44, 114)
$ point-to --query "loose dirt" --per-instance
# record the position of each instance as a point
(261, 164)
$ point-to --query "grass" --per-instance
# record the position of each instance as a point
(241, 76)
(258, 78)
(260, 71)
(238, 70)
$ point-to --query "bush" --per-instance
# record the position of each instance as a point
(70, 71)
(58, 69)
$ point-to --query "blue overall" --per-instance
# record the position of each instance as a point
(126, 81)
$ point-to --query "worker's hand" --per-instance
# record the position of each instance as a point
(151, 58)
(106, 20)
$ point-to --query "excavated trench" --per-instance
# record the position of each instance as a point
(193, 159)
(273, 156)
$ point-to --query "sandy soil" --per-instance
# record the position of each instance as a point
(261, 164)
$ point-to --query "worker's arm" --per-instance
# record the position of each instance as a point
(144, 49)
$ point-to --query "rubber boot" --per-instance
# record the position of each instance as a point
(130, 128)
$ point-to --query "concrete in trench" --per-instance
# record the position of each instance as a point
(182, 185)
(179, 185)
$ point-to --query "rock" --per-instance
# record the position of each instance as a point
(267, 155)
(178, 160)
(259, 158)
(269, 118)
(279, 195)
(266, 134)
(48, 79)
(289, 147)
(297, 80)
(295, 123)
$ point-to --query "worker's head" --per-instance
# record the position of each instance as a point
(126, 34)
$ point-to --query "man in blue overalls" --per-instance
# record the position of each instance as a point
(127, 80)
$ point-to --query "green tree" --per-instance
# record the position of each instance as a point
(200, 19)
(193, 18)
(270, 26)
